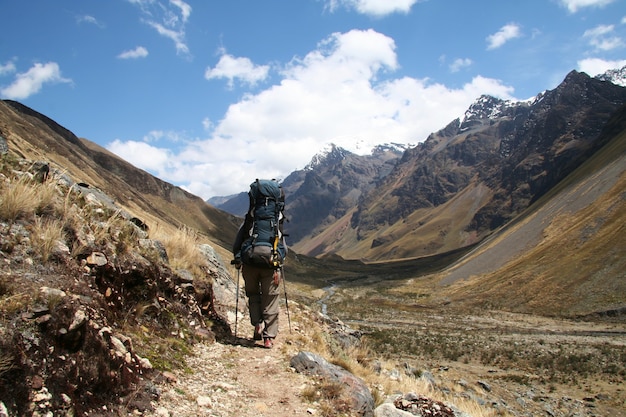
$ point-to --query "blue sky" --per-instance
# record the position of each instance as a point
(211, 94)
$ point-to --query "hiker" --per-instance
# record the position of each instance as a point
(259, 251)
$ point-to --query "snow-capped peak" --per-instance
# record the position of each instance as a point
(329, 152)
(617, 76)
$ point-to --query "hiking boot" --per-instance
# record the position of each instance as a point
(268, 343)
(257, 332)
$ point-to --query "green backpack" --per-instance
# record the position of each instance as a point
(266, 244)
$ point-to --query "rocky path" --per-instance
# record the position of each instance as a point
(241, 379)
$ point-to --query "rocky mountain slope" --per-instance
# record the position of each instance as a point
(477, 174)
(36, 137)
(458, 186)
(325, 190)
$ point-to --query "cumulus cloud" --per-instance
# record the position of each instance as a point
(32, 81)
(142, 155)
(334, 94)
(505, 34)
(138, 52)
(596, 66)
(575, 5)
(234, 68)
(377, 8)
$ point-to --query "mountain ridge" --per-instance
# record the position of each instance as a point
(499, 135)
(494, 164)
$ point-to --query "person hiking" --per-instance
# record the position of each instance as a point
(259, 250)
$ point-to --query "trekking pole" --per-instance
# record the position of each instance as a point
(282, 271)
(236, 298)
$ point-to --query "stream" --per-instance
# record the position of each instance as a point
(330, 291)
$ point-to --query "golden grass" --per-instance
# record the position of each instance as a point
(182, 249)
(22, 198)
(18, 200)
(359, 360)
(47, 234)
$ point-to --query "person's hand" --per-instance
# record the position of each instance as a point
(236, 262)
(276, 276)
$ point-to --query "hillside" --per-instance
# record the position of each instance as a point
(36, 137)
(565, 256)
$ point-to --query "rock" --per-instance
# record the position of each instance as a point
(52, 292)
(97, 258)
(156, 246)
(484, 386)
(118, 346)
(37, 383)
(429, 378)
(42, 395)
(390, 410)
(80, 318)
(170, 377)
(422, 406)
(144, 363)
(4, 149)
(204, 401)
(359, 394)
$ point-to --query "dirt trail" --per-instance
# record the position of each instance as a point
(242, 380)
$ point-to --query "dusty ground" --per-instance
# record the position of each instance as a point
(239, 379)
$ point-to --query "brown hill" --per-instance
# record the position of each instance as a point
(157, 203)
(565, 255)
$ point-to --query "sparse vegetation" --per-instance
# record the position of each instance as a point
(48, 231)
(46, 236)
(182, 248)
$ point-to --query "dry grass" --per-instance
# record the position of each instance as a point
(182, 249)
(363, 362)
(19, 199)
(22, 198)
(46, 236)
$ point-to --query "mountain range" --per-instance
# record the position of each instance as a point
(457, 187)
(494, 185)
(513, 208)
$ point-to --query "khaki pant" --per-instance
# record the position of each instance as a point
(263, 297)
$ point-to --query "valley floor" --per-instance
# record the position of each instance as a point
(516, 364)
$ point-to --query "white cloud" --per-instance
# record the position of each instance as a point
(169, 22)
(8, 68)
(89, 19)
(142, 155)
(377, 8)
(334, 94)
(575, 5)
(178, 36)
(232, 68)
(30, 82)
(459, 64)
(596, 66)
(601, 38)
(138, 52)
(185, 9)
(505, 34)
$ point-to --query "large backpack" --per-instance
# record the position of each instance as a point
(266, 244)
